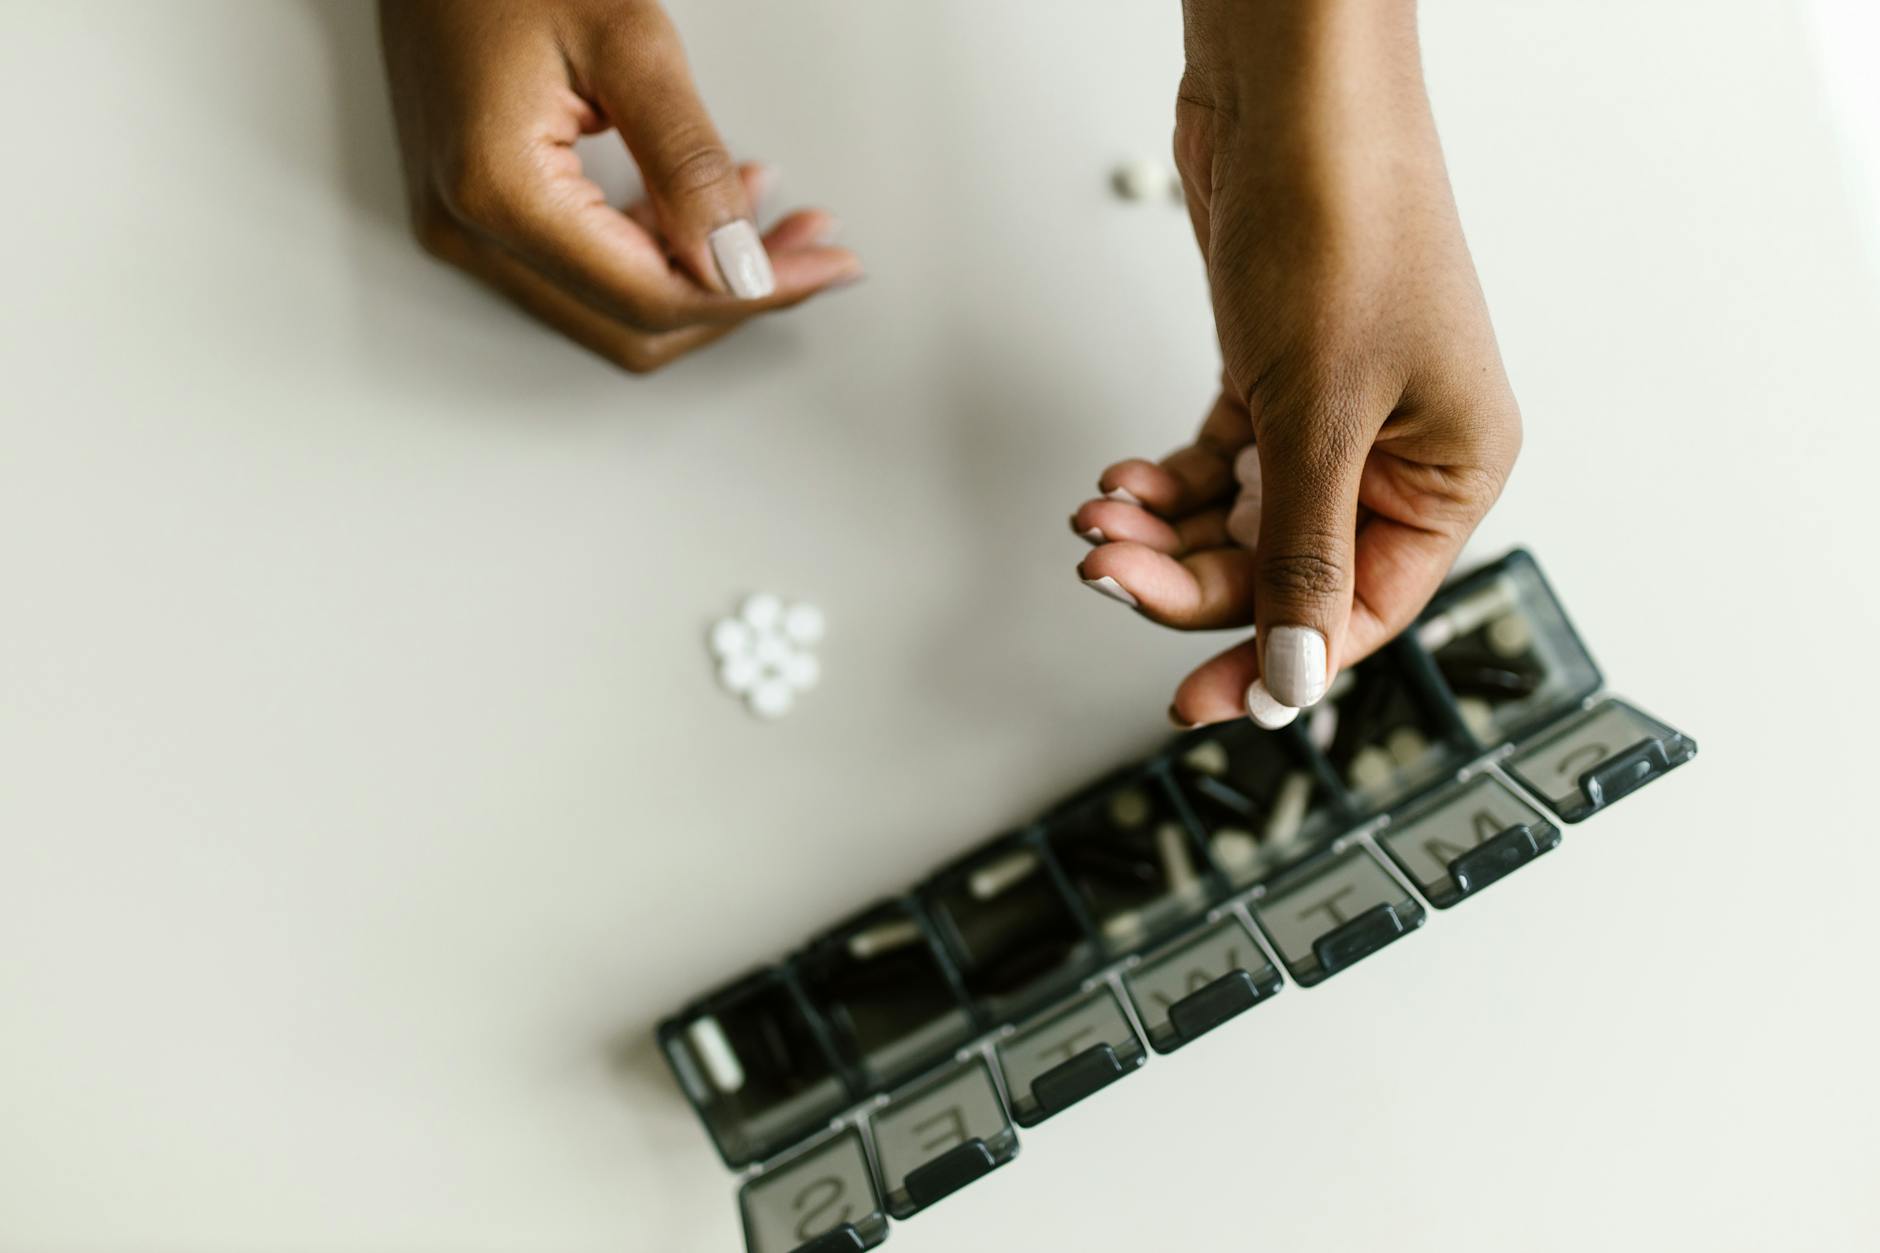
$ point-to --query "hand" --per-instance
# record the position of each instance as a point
(490, 97)
(1358, 363)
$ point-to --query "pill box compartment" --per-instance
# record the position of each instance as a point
(1329, 914)
(757, 1066)
(893, 1007)
(1465, 838)
(822, 1199)
(1597, 758)
(1067, 1054)
(1262, 799)
(1129, 853)
(1505, 650)
(1011, 926)
(1386, 731)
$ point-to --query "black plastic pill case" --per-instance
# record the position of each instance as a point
(893, 1060)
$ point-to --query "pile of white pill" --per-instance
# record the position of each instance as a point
(764, 652)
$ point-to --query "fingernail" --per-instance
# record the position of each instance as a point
(1123, 494)
(1095, 536)
(1295, 664)
(827, 235)
(742, 261)
(763, 181)
(1266, 711)
(1111, 588)
(1178, 722)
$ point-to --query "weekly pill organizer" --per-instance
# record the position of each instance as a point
(892, 1061)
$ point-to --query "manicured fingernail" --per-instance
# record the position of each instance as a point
(1111, 588)
(1095, 536)
(1295, 664)
(1266, 711)
(1178, 722)
(1123, 494)
(762, 182)
(1243, 521)
(742, 261)
(827, 235)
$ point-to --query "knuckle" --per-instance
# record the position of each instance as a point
(1301, 575)
(476, 194)
(698, 166)
(438, 235)
(636, 358)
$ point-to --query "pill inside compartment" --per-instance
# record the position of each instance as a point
(1010, 930)
(754, 1066)
(890, 1005)
(1380, 734)
(1132, 859)
(1259, 803)
(1505, 650)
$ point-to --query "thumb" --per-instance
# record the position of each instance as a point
(1304, 565)
(643, 83)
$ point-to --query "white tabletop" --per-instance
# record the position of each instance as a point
(365, 797)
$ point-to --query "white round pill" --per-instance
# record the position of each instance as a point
(1142, 180)
(772, 698)
(803, 623)
(761, 610)
(772, 650)
(740, 673)
(730, 637)
(1406, 746)
(801, 671)
(1371, 769)
(1510, 635)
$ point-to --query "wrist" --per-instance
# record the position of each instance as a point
(1269, 60)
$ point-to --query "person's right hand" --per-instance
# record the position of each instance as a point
(490, 97)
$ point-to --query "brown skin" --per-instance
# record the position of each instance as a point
(490, 96)
(1356, 346)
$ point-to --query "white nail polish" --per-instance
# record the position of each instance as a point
(742, 261)
(1123, 494)
(1095, 536)
(1247, 466)
(1295, 664)
(1114, 590)
(1266, 711)
(1243, 520)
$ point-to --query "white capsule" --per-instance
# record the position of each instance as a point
(801, 671)
(1406, 746)
(1468, 614)
(995, 877)
(715, 1053)
(1142, 180)
(1288, 815)
(884, 937)
(739, 673)
(729, 637)
(772, 698)
(803, 623)
(761, 610)
(1178, 863)
(772, 650)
